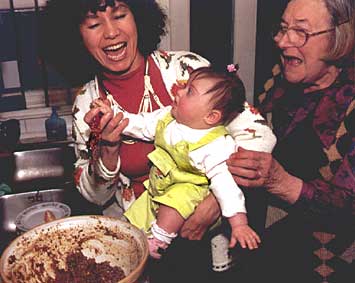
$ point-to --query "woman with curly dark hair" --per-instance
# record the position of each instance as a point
(110, 48)
(63, 43)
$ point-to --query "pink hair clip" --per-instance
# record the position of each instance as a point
(231, 68)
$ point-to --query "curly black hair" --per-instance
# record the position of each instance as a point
(60, 39)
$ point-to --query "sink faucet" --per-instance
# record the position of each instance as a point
(36, 198)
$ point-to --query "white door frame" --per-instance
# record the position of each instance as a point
(178, 12)
(245, 13)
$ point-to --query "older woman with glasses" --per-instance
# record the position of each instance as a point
(311, 172)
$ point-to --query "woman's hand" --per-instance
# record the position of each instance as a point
(259, 169)
(250, 168)
(110, 128)
(206, 213)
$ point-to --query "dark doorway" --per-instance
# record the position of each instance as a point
(211, 30)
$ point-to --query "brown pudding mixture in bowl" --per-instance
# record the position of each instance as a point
(85, 270)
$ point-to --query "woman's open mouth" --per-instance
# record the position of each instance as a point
(291, 60)
(116, 52)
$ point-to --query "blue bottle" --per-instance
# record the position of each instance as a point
(56, 128)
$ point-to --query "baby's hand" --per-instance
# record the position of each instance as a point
(246, 237)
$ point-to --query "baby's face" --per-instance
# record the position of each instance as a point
(192, 103)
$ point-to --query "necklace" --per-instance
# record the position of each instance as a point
(145, 103)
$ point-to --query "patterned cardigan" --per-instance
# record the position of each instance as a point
(316, 142)
(329, 116)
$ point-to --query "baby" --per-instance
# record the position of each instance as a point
(191, 147)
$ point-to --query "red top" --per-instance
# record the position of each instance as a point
(128, 90)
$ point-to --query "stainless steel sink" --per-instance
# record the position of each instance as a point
(12, 205)
(38, 175)
(38, 169)
(40, 163)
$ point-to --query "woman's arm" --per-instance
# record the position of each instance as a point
(259, 169)
(320, 196)
(97, 165)
(109, 128)
(331, 194)
(255, 167)
(250, 131)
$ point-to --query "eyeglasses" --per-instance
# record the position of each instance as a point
(296, 36)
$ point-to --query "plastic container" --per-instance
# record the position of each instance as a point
(56, 127)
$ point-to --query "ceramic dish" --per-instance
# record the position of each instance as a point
(35, 215)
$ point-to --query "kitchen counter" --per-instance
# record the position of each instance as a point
(38, 143)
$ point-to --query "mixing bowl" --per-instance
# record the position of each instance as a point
(82, 246)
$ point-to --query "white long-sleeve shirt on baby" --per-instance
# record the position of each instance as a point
(209, 159)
